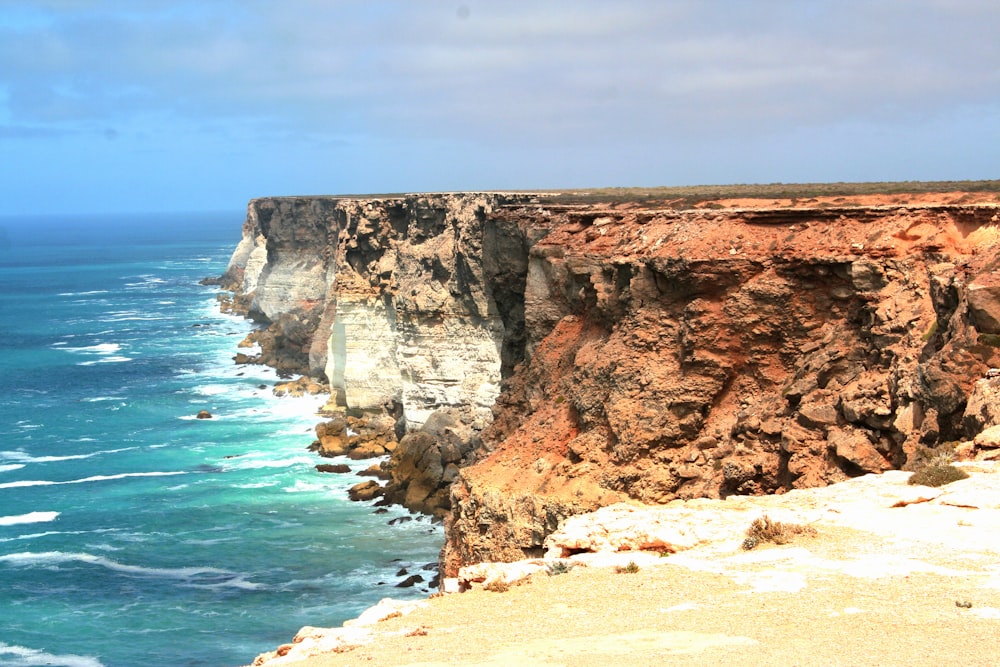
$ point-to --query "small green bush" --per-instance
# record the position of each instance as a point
(993, 340)
(558, 567)
(631, 568)
(931, 330)
(764, 529)
(937, 475)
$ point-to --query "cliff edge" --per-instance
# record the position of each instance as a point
(542, 355)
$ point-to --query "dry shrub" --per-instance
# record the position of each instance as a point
(764, 529)
(631, 568)
(497, 586)
(937, 475)
(924, 456)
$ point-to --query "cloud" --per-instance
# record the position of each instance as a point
(550, 69)
(395, 94)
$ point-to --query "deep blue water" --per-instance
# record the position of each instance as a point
(132, 533)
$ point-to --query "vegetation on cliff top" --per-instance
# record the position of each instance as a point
(688, 196)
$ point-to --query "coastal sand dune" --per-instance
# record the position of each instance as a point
(894, 575)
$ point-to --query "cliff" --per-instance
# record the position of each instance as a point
(646, 349)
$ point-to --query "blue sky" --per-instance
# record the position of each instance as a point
(161, 105)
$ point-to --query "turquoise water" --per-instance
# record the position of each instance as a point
(132, 533)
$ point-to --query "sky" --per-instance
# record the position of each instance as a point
(180, 105)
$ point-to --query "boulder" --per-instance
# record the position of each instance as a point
(984, 303)
(367, 490)
(377, 471)
(856, 448)
(333, 467)
(410, 581)
(203, 414)
(989, 438)
(983, 407)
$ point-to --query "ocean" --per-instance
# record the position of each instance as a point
(132, 533)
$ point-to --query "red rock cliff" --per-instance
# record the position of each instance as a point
(675, 354)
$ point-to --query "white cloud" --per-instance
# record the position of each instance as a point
(631, 88)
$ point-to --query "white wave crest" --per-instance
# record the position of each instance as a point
(87, 293)
(301, 486)
(256, 464)
(11, 466)
(100, 348)
(30, 517)
(255, 485)
(106, 360)
(213, 389)
(198, 577)
(95, 478)
(19, 656)
(21, 457)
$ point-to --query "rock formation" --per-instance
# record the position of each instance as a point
(645, 352)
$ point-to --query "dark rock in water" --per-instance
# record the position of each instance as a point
(430, 566)
(410, 581)
(400, 519)
(365, 490)
(402, 572)
(381, 510)
(204, 414)
(333, 467)
(435, 581)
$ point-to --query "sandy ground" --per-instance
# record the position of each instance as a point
(877, 585)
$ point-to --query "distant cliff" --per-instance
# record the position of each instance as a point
(588, 350)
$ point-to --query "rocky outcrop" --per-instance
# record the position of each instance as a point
(644, 352)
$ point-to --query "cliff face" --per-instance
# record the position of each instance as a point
(707, 353)
(405, 304)
(644, 352)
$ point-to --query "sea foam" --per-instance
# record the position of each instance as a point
(199, 577)
(22, 458)
(30, 517)
(19, 656)
(95, 478)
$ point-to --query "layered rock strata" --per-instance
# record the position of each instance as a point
(645, 352)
